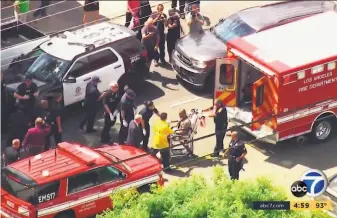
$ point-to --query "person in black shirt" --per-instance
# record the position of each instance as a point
(127, 107)
(173, 32)
(237, 151)
(221, 123)
(12, 153)
(110, 103)
(147, 113)
(160, 21)
(18, 126)
(91, 104)
(26, 94)
(54, 120)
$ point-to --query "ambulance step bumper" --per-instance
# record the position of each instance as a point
(264, 134)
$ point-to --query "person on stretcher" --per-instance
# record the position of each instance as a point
(184, 124)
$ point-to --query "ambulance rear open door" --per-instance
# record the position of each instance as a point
(226, 81)
(263, 104)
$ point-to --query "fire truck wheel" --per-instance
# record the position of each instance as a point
(322, 130)
(65, 214)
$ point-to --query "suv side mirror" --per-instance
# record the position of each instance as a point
(70, 80)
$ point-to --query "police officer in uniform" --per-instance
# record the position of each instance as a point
(219, 113)
(147, 113)
(26, 94)
(127, 106)
(237, 151)
(54, 119)
(91, 103)
(110, 103)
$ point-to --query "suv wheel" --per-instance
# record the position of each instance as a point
(209, 83)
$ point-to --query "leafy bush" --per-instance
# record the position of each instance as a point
(194, 197)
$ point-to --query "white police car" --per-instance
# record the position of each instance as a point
(330, 195)
(66, 63)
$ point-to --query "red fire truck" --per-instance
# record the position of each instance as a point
(282, 83)
(73, 180)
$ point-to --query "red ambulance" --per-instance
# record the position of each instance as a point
(282, 83)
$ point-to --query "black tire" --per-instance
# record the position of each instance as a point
(322, 129)
(66, 214)
(209, 82)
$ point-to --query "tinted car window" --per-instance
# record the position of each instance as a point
(101, 59)
(108, 174)
(34, 195)
(232, 27)
(82, 181)
(80, 67)
(48, 192)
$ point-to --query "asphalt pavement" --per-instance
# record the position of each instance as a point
(284, 163)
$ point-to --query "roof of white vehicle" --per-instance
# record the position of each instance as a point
(64, 46)
(293, 45)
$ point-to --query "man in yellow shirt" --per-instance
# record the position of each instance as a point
(160, 144)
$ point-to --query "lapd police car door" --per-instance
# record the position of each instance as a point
(75, 81)
(105, 63)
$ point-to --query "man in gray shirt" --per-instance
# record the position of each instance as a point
(195, 20)
(150, 39)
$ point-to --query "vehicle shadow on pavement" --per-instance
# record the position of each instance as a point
(288, 154)
(185, 169)
(165, 81)
(208, 94)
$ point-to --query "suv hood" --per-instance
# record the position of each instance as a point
(202, 46)
(142, 163)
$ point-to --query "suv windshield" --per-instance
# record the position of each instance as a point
(17, 189)
(232, 27)
(47, 67)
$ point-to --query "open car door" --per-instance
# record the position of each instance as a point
(226, 77)
(264, 104)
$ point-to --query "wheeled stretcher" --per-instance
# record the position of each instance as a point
(186, 140)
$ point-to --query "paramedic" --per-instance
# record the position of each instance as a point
(110, 103)
(147, 113)
(220, 119)
(237, 151)
(127, 106)
(162, 131)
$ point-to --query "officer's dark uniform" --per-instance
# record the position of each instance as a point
(53, 114)
(29, 104)
(11, 155)
(127, 105)
(18, 126)
(91, 105)
(236, 149)
(221, 124)
(146, 115)
(111, 100)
